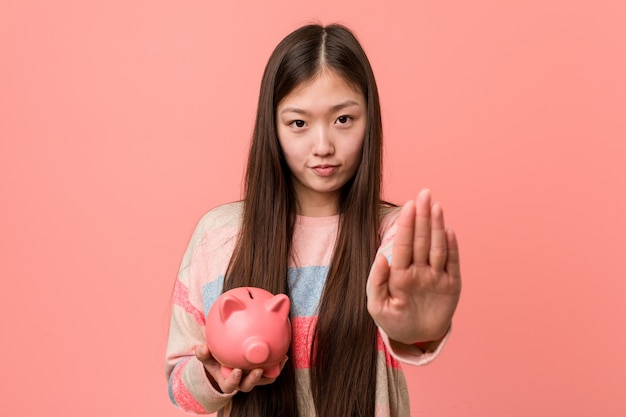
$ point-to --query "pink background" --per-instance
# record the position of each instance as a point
(122, 122)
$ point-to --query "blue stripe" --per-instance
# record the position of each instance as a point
(305, 286)
(170, 389)
(210, 293)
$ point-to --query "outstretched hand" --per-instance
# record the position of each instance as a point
(414, 298)
(237, 379)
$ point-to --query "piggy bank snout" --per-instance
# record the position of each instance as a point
(256, 351)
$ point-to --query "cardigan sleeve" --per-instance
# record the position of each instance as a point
(188, 384)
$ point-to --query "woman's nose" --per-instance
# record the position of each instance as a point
(323, 144)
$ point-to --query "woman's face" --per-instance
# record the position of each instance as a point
(321, 128)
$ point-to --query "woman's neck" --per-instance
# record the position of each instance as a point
(325, 208)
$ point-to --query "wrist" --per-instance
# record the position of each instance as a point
(212, 381)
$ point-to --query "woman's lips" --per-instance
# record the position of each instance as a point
(324, 170)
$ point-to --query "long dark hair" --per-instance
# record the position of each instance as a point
(344, 355)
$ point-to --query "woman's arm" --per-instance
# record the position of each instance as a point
(188, 384)
(413, 297)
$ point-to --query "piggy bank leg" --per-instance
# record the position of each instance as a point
(272, 371)
(225, 370)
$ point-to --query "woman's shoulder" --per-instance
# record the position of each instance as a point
(388, 216)
(224, 216)
(211, 243)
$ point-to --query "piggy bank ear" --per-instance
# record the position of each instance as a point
(229, 304)
(279, 304)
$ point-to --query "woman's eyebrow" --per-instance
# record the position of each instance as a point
(347, 103)
(336, 107)
(293, 110)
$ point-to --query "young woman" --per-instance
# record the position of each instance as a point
(312, 225)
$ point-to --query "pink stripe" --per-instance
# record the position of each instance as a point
(390, 361)
(303, 329)
(181, 298)
(182, 396)
(387, 239)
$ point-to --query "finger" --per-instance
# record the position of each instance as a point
(214, 368)
(453, 265)
(421, 245)
(402, 248)
(377, 283)
(251, 380)
(266, 380)
(202, 353)
(283, 362)
(438, 246)
(232, 382)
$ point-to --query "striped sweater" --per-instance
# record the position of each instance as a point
(199, 283)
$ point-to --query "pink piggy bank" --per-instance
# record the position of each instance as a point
(248, 328)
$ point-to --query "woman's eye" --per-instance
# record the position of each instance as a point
(297, 123)
(343, 119)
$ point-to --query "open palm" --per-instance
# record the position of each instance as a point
(414, 298)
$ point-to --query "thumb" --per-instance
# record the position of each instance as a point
(377, 289)
(202, 353)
